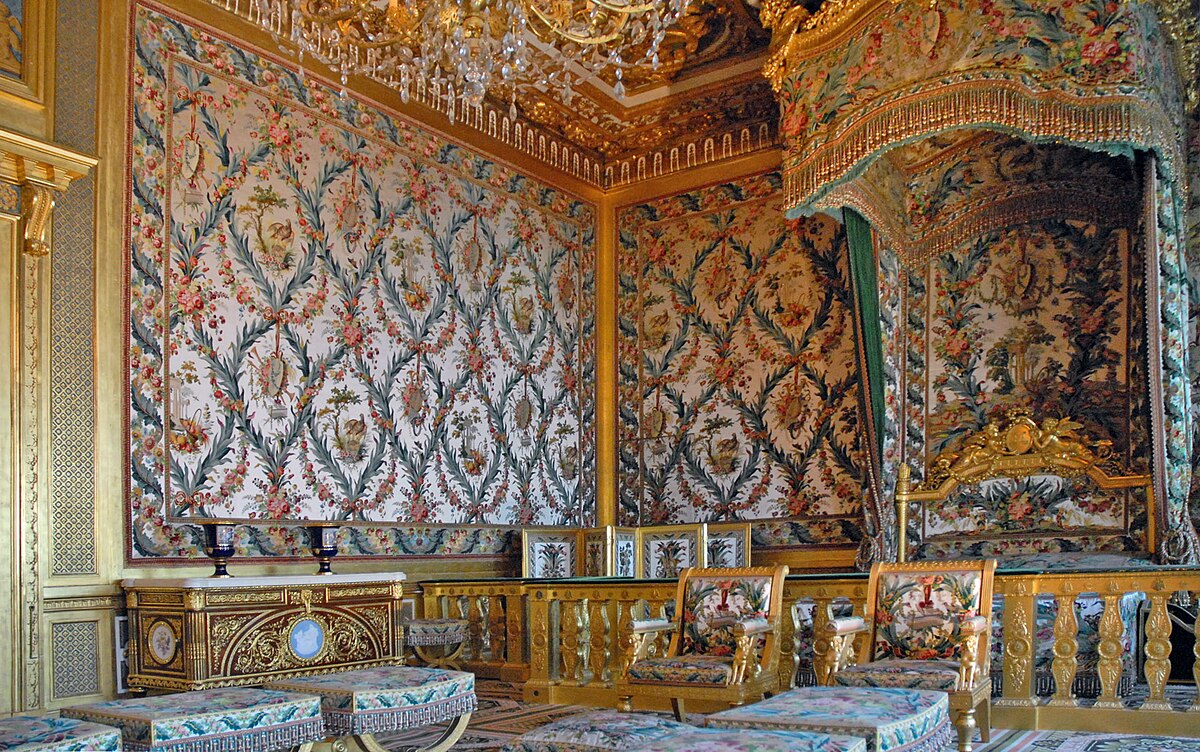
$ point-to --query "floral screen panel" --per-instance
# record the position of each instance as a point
(1036, 316)
(334, 314)
(738, 383)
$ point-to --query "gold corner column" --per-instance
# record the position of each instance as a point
(606, 364)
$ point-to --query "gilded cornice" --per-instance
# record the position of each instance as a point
(25, 160)
(794, 29)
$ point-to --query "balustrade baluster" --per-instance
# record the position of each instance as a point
(625, 634)
(1109, 665)
(496, 628)
(823, 659)
(568, 617)
(1066, 649)
(1020, 611)
(474, 629)
(537, 689)
(1158, 650)
(598, 652)
(789, 650)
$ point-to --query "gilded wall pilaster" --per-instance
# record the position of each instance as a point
(32, 173)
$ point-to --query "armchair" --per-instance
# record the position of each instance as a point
(724, 641)
(926, 630)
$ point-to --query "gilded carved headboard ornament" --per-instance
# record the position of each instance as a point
(1016, 446)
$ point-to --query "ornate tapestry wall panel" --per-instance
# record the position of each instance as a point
(335, 314)
(738, 387)
(1037, 316)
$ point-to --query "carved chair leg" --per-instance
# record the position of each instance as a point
(680, 711)
(965, 723)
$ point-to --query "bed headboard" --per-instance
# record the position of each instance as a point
(1017, 447)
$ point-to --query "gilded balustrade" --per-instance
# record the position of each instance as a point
(579, 637)
(496, 647)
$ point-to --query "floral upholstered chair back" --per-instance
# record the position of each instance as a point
(714, 600)
(919, 608)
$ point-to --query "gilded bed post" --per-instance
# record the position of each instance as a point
(903, 488)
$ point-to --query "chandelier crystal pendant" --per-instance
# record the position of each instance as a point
(466, 48)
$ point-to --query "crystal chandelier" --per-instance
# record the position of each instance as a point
(466, 48)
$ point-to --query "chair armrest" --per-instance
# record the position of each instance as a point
(645, 626)
(846, 625)
(751, 626)
(968, 662)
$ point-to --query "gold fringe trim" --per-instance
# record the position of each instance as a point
(989, 103)
(1068, 202)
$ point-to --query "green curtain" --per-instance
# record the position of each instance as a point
(866, 292)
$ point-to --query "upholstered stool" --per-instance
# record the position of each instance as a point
(210, 720)
(610, 731)
(890, 719)
(448, 634)
(39, 734)
(358, 704)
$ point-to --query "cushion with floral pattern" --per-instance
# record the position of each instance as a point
(712, 605)
(387, 698)
(210, 720)
(683, 669)
(757, 740)
(939, 675)
(917, 613)
(41, 734)
(889, 719)
(597, 732)
(435, 631)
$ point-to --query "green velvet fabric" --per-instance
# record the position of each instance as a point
(866, 292)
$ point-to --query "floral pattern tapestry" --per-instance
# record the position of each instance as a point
(738, 384)
(336, 314)
(1036, 316)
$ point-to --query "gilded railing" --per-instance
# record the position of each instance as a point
(496, 609)
(568, 640)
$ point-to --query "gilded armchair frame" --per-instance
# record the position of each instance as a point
(973, 697)
(1018, 447)
(755, 671)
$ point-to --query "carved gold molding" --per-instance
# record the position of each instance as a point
(36, 171)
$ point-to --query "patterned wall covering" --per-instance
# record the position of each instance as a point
(336, 314)
(1034, 316)
(1039, 305)
(738, 382)
(72, 338)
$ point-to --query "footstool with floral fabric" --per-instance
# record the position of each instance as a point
(359, 704)
(41, 734)
(448, 634)
(890, 719)
(612, 731)
(210, 720)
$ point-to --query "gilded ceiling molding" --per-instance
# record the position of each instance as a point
(864, 76)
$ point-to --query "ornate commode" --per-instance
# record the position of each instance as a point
(200, 633)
